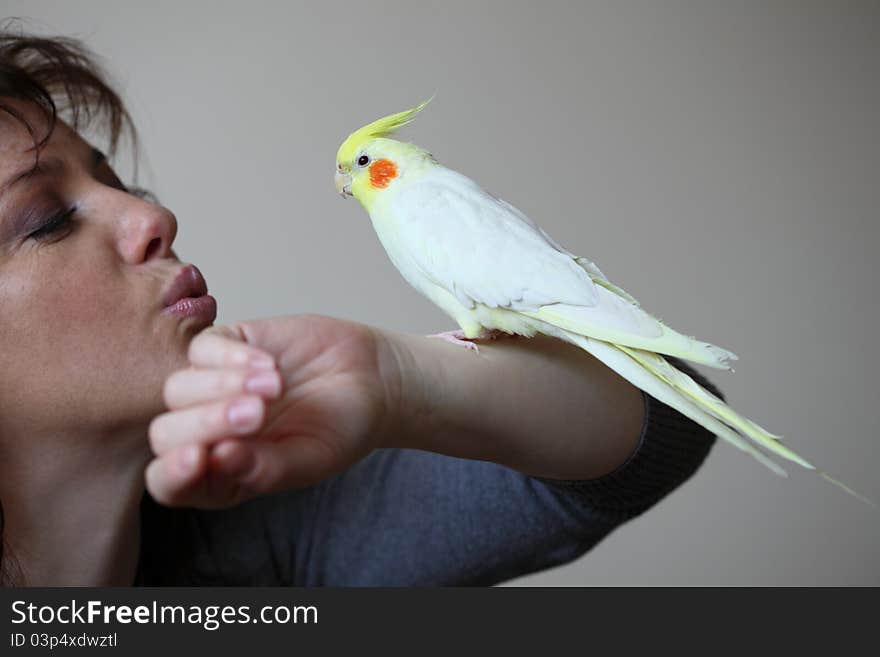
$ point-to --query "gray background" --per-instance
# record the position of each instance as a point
(718, 160)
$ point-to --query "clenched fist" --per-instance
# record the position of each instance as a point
(268, 405)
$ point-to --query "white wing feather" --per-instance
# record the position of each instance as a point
(483, 250)
(470, 243)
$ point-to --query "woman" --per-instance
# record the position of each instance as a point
(140, 446)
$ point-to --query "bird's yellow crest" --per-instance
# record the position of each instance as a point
(384, 127)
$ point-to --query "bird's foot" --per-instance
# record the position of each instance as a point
(458, 337)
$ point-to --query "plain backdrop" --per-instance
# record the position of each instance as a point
(717, 160)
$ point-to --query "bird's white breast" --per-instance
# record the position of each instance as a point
(388, 216)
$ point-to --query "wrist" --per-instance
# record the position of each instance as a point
(406, 407)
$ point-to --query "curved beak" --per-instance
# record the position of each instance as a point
(343, 184)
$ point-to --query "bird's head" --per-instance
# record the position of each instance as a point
(370, 164)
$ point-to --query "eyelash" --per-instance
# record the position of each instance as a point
(53, 226)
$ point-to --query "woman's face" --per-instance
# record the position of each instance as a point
(86, 273)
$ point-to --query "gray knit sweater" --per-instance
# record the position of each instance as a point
(411, 518)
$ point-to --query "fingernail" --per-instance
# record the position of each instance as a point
(261, 362)
(244, 413)
(263, 383)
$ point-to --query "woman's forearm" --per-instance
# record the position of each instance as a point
(540, 405)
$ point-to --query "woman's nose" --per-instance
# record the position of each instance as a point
(148, 230)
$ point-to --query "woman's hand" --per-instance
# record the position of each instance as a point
(269, 405)
(323, 392)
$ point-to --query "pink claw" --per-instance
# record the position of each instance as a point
(456, 337)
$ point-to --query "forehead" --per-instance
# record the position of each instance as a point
(16, 143)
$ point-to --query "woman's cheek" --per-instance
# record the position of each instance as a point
(74, 293)
(60, 313)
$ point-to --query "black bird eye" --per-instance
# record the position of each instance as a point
(363, 160)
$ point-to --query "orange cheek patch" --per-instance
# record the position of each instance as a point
(382, 172)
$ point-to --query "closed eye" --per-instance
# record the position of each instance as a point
(54, 228)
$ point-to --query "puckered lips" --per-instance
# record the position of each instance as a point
(187, 296)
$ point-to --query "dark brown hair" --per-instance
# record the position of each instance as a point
(64, 80)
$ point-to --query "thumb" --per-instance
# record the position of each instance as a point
(227, 346)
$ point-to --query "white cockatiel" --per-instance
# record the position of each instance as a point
(491, 268)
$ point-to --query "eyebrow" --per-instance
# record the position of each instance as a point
(45, 167)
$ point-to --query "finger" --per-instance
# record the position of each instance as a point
(211, 482)
(195, 386)
(214, 349)
(219, 484)
(171, 477)
(206, 422)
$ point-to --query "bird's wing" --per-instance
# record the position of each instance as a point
(590, 267)
(484, 251)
